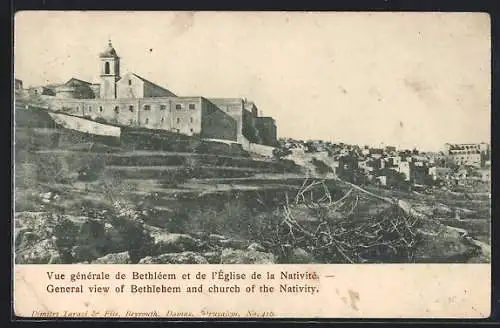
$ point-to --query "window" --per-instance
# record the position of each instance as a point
(178, 120)
(163, 107)
(77, 108)
(191, 130)
(162, 119)
(117, 109)
(191, 120)
(129, 82)
(146, 121)
(131, 121)
(106, 68)
(192, 106)
(178, 106)
(100, 108)
(147, 107)
(36, 92)
(131, 108)
(90, 108)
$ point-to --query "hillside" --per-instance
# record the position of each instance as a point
(157, 197)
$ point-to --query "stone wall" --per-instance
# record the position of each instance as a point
(178, 114)
(130, 87)
(85, 126)
(224, 119)
(186, 115)
(262, 150)
(108, 87)
(216, 124)
(267, 130)
(234, 108)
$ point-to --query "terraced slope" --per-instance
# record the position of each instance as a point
(156, 196)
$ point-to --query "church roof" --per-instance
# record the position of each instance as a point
(152, 83)
(109, 52)
(146, 80)
(78, 81)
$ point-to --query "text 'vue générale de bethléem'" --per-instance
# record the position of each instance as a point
(215, 282)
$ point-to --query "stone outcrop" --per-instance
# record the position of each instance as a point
(175, 258)
(212, 257)
(300, 256)
(232, 256)
(79, 238)
(233, 243)
(124, 233)
(40, 252)
(74, 238)
(174, 242)
(444, 244)
(256, 247)
(116, 258)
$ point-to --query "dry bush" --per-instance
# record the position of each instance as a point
(340, 234)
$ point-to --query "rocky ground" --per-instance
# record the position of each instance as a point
(43, 237)
(95, 203)
(52, 227)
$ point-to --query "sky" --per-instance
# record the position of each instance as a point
(403, 79)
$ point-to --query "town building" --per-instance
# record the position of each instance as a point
(42, 90)
(472, 154)
(439, 173)
(404, 167)
(390, 149)
(131, 100)
(376, 153)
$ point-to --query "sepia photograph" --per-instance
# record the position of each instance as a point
(251, 138)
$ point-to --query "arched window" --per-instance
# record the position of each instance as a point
(106, 68)
(146, 121)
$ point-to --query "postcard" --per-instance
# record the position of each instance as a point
(217, 164)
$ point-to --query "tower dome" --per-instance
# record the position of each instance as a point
(110, 72)
(109, 52)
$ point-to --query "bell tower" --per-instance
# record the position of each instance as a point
(109, 72)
